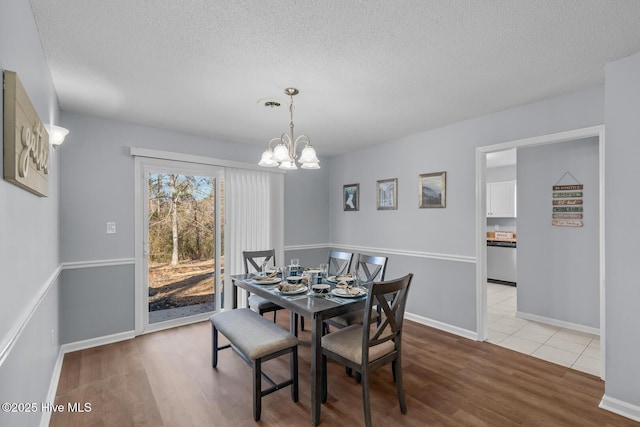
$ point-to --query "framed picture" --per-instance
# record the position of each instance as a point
(432, 190)
(387, 194)
(351, 197)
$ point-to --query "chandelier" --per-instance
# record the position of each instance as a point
(284, 153)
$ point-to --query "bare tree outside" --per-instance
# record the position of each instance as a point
(182, 224)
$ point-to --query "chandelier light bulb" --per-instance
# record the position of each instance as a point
(310, 166)
(267, 159)
(308, 155)
(288, 165)
(280, 153)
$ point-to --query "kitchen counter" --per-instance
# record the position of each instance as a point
(503, 236)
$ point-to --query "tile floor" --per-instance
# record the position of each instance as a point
(566, 347)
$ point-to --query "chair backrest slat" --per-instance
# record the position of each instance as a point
(391, 297)
(339, 262)
(252, 258)
(373, 267)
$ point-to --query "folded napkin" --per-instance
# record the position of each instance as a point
(268, 278)
(286, 287)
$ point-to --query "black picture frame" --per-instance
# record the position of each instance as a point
(351, 197)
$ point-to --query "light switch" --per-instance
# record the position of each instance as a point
(111, 227)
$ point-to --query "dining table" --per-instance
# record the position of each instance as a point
(316, 308)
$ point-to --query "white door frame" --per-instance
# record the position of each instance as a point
(143, 166)
(481, 221)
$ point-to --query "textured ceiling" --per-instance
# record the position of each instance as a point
(368, 71)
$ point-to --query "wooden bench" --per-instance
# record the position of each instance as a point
(256, 340)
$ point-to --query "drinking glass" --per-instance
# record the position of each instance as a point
(295, 266)
(324, 271)
(358, 279)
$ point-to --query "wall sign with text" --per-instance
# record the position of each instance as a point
(25, 140)
(567, 205)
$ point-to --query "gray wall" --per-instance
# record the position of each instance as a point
(29, 234)
(444, 290)
(622, 346)
(307, 206)
(558, 267)
(96, 302)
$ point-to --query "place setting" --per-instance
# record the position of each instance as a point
(267, 279)
(292, 286)
(343, 293)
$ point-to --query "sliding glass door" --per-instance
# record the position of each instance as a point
(182, 264)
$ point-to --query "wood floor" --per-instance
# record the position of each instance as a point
(166, 379)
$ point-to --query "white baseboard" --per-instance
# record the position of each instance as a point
(53, 388)
(465, 333)
(621, 408)
(558, 323)
(95, 342)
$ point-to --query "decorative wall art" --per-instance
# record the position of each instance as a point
(432, 190)
(567, 203)
(387, 194)
(351, 197)
(26, 141)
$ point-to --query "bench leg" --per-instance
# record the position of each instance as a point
(257, 389)
(214, 346)
(294, 373)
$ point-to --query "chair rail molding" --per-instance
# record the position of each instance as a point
(9, 341)
(72, 265)
(404, 252)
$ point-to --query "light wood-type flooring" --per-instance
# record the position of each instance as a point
(165, 379)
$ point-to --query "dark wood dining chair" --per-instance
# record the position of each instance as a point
(339, 262)
(366, 347)
(254, 261)
(370, 268)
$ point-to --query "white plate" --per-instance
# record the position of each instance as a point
(343, 293)
(336, 279)
(296, 292)
(312, 270)
(268, 282)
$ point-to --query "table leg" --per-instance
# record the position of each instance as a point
(316, 370)
(234, 295)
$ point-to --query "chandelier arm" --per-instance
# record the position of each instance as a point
(272, 140)
(300, 139)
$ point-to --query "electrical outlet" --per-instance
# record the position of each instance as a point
(111, 227)
(53, 336)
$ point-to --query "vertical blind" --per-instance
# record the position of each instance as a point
(254, 218)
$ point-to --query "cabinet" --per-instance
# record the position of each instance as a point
(501, 199)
